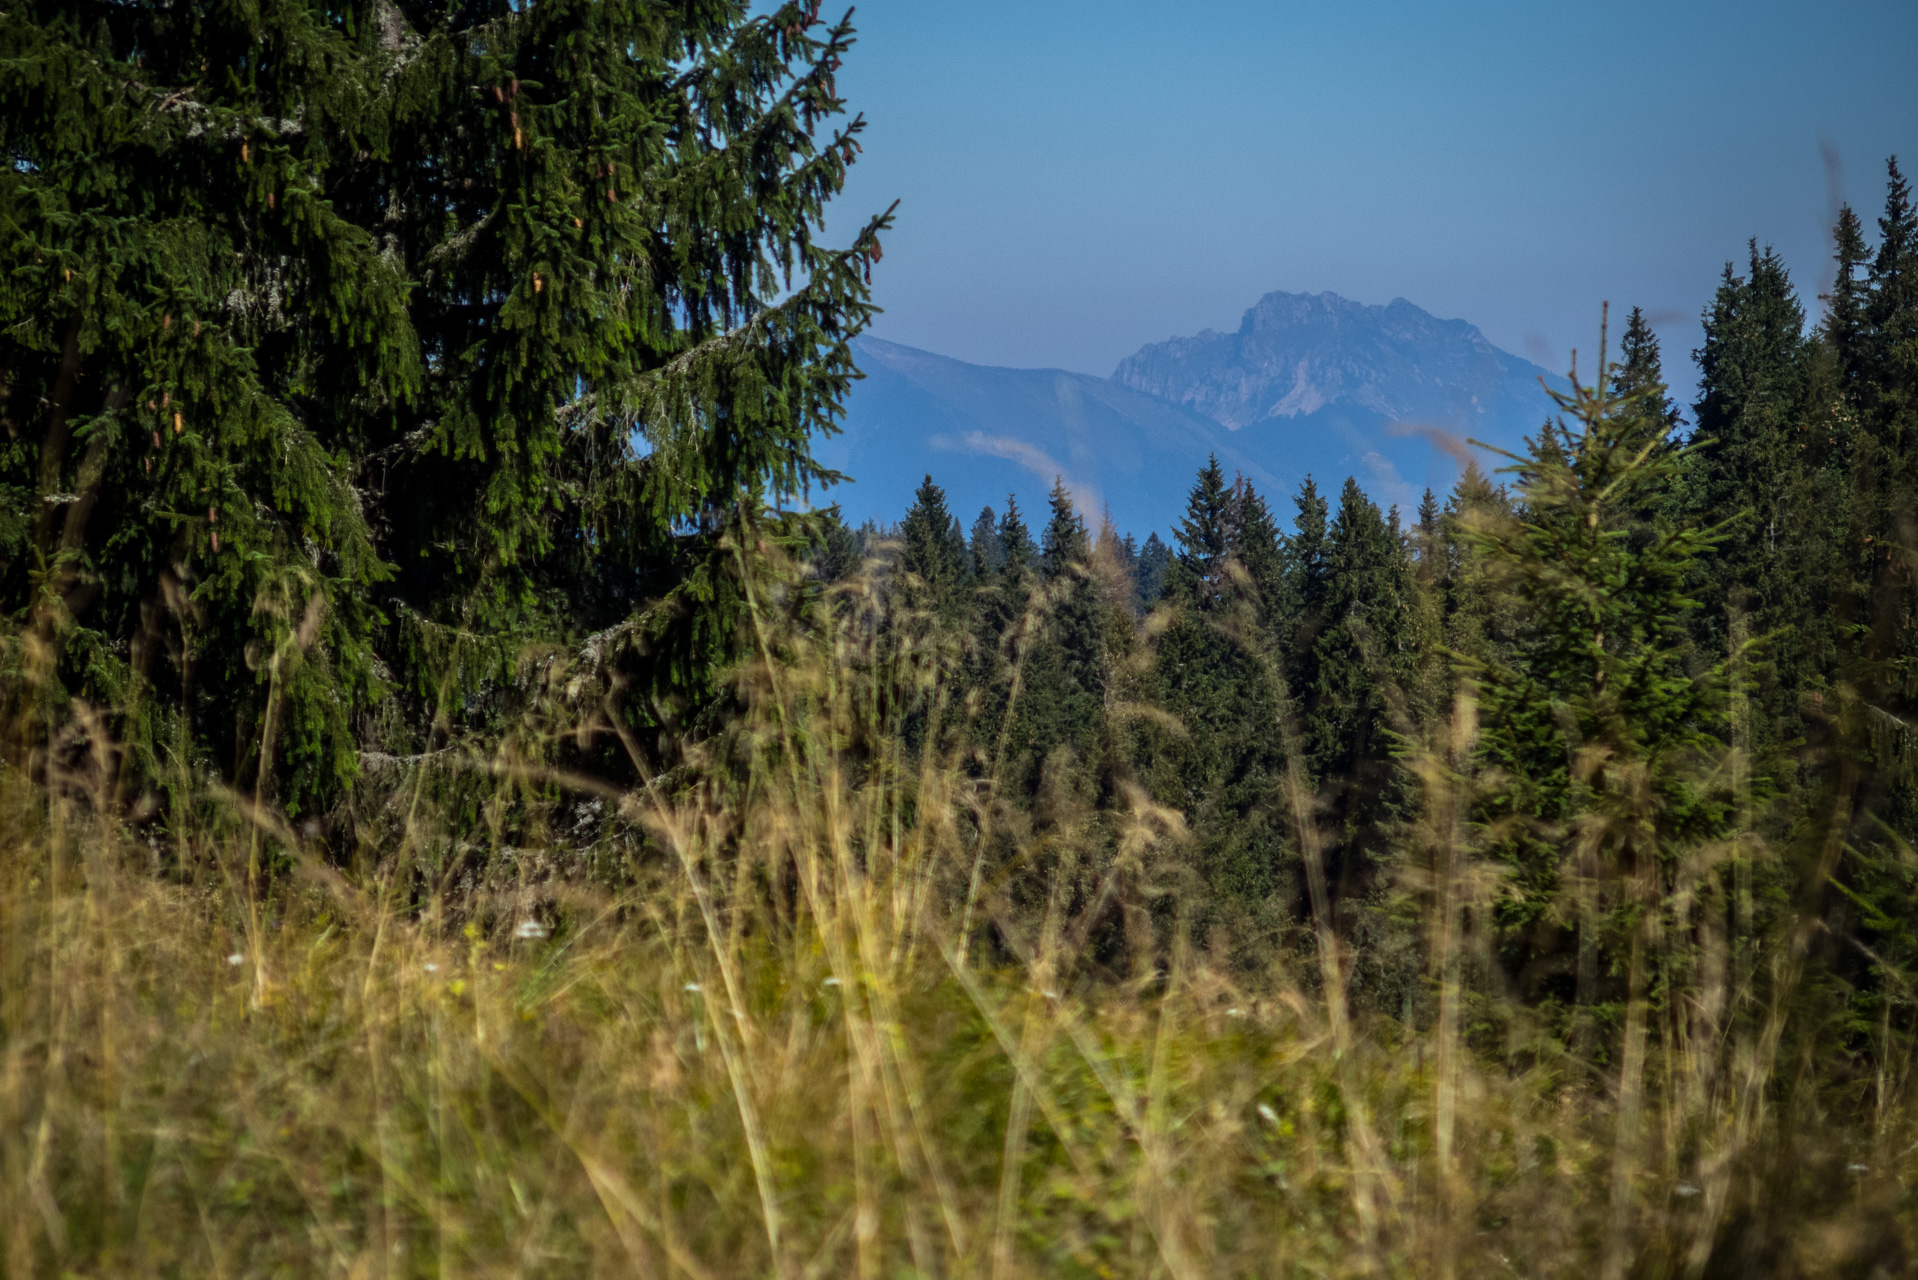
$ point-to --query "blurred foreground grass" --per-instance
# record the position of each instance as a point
(798, 1034)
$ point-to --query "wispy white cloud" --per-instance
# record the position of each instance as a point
(1085, 498)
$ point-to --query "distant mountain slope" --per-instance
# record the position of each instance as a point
(984, 432)
(1395, 386)
(1310, 384)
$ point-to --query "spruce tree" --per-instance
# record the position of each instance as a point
(1197, 576)
(1598, 730)
(1155, 561)
(1426, 538)
(1065, 665)
(1640, 371)
(988, 553)
(934, 555)
(1063, 545)
(1017, 555)
(1306, 568)
(1256, 547)
(1213, 671)
(1845, 319)
(1475, 623)
(1891, 361)
(1752, 385)
(1361, 667)
(372, 341)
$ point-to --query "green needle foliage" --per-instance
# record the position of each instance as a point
(1598, 735)
(349, 350)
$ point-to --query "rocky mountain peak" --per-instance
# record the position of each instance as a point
(1296, 354)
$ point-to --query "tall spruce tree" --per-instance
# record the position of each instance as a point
(1155, 561)
(1256, 548)
(1017, 555)
(934, 555)
(1845, 319)
(988, 553)
(1640, 371)
(1197, 576)
(1212, 670)
(352, 346)
(1599, 733)
(1475, 622)
(1890, 399)
(1306, 568)
(1362, 666)
(1752, 386)
(1065, 665)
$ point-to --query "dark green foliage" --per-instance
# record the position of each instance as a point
(935, 555)
(1845, 320)
(1474, 619)
(1306, 568)
(1197, 576)
(1063, 546)
(1640, 372)
(1064, 673)
(1752, 381)
(1016, 552)
(988, 553)
(1362, 666)
(1595, 730)
(1155, 561)
(467, 327)
(1256, 548)
(1213, 669)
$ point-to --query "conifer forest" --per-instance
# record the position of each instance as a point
(471, 807)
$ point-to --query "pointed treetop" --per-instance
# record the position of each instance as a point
(1064, 542)
(1204, 537)
(1015, 541)
(1894, 269)
(1845, 305)
(988, 553)
(1639, 374)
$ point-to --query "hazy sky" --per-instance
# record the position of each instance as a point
(1078, 179)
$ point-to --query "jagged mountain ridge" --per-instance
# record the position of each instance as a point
(1310, 384)
(1296, 354)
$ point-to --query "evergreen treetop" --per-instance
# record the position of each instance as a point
(1063, 544)
(935, 552)
(1204, 540)
(988, 553)
(1640, 371)
(1845, 318)
(1017, 554)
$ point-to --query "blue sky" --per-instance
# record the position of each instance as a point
(1078, 179)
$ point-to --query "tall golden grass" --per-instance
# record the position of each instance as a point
(800, 1030)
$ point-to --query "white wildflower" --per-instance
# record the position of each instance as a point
(236, 959)
(530, 928)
